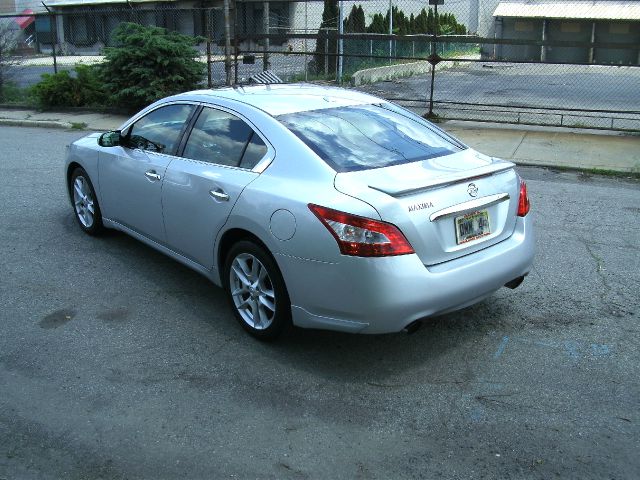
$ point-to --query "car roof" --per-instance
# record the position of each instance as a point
(283, 99)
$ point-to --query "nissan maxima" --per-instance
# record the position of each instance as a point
(311, 206)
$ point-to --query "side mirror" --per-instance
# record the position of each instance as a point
(110, 139)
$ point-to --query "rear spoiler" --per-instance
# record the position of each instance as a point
(437, 182)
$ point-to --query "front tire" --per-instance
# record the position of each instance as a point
(85, 203)
(256, 291)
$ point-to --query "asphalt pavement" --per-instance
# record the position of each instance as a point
(591, 96)
(119, 363)
(532, 146)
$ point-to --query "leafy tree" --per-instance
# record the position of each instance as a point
(149, 63)
(7, 45)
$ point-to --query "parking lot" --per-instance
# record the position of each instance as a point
(119, 363)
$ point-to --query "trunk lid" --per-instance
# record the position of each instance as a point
(431, 202)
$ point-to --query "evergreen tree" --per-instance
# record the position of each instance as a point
(360, 22)
(355, 22)
(422, 25)
(431, 23)
(326, 43)
(149, 63)
(377, 24)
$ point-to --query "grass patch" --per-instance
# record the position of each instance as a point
(78, 125)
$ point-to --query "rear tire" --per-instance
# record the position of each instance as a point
(256, 291)
(85, 203)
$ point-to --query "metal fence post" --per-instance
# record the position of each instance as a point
(236, 50)
(54, 32)
(434, 58)
(206, 15)
(326, 54)
(390, 29)
(227, 43)
(267, 44)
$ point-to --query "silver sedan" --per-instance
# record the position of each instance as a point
(312, 206)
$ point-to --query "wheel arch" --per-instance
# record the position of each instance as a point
(230, 238)
(70, 169)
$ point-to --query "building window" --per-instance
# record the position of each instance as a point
(570, 27)
(524, 26)
(619, 28)
(80, 29)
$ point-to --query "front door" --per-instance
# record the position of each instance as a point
(131, 175)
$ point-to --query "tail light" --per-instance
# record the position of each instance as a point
(360, 236)
(523, 201)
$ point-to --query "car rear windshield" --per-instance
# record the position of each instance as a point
(362, 137)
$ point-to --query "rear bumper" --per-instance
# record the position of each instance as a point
(382, 295)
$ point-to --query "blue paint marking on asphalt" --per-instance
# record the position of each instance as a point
(501, 347)
(477, 414)
(571, 349)
(600, 350)
(575, 350)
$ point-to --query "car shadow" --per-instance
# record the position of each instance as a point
(376, 359)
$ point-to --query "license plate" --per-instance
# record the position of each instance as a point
(472, 226)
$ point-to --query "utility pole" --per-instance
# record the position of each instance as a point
(340, 40)
(390, 29)
(306, 31)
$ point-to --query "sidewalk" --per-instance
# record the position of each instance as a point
(539, 146)
(552, 146)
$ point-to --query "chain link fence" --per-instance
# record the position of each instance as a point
(573, 64)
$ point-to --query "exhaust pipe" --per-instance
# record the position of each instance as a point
(413, 327)
(515, 283)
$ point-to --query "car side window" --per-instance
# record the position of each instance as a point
(219, 137)
(256, 149)
(159, 131)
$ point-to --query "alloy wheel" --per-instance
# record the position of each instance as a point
(252, 291)
(83, 201)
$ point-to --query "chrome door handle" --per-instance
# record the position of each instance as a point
(219, 195)
(152, 175)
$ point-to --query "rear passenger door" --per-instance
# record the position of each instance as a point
(201, 187)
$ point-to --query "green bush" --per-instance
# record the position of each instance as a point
(150, 63)
(84, 89)
(12, 94)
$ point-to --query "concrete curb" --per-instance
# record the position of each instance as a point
(614, 171)
(399, 70)
(35, 123)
